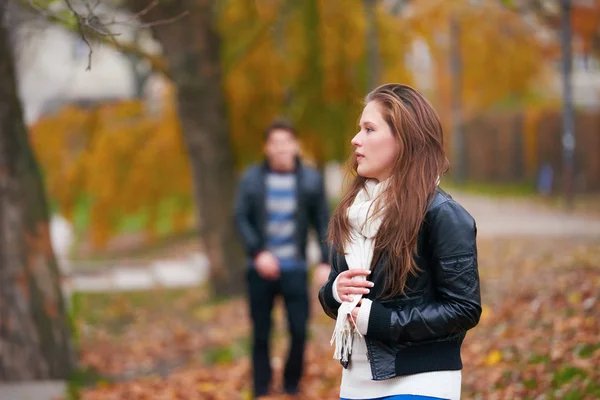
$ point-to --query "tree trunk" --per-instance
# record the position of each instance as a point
(34, 335)
(372, 41)
(459, 151)
(191, 46)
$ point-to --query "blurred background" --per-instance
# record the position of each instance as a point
(141, 115)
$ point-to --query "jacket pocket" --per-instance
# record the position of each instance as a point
(460, 270)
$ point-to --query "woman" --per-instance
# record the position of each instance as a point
(404, 288)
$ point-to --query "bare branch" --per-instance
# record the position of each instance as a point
(81, 33)
(91, 50)
(165, 21)
(143, 12)
(102, 31)
(89, 8)
(70, 6)
(89, 24)
(90, 27)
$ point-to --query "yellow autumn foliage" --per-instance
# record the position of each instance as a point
(120, 158)
(493, 357)
(502, 58)
(310, 66)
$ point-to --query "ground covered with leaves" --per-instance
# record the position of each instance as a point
(539, 336)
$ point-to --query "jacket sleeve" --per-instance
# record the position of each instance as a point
(246, 230)
(328, 302)
(457, 303)
(320, 218)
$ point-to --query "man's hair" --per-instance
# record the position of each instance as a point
(280, 123)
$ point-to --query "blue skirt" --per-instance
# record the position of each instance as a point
(402, 397)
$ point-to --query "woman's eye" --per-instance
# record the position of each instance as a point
(368, 130)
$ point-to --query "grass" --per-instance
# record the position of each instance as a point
(228, 353)
(567, 374)
(133, 224)
(117, 310)
(519, 189)
(587, 350)
(81, 378)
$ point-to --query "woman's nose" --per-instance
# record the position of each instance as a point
(356, 142)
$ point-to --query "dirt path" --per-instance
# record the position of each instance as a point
(501, 217)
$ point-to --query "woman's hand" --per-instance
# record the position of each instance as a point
(349, 283)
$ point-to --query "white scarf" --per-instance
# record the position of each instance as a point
(359, 253)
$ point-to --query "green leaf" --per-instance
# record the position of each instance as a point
(567, 374)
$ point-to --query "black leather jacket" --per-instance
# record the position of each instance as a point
(423, 330)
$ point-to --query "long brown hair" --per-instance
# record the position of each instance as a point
(420, 161)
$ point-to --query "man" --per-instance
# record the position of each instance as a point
(275, 203)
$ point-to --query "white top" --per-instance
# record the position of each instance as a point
(357, 382)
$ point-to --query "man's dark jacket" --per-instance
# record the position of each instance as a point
(311, 208)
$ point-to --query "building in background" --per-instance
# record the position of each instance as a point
(52, 65)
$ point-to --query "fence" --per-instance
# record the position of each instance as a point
(513, 147)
